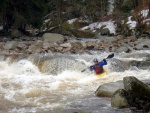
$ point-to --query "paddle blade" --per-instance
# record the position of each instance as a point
(110, 56)
(83, 70)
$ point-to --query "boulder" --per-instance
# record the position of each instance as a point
(108, 89)
(142, 43)
(22, 45)
(76, 45)
(122, 49)
(66, 45)
(120, 99)
(84, 45)
(135, 94)
(16, 33)
(10, 45)
(46, 45)
(105, 31)
(39, 43)
(4, 52)
(31, 49)
(136, 87)
(109, 40)
(53, 37)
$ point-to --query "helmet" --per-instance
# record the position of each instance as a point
(95, 60)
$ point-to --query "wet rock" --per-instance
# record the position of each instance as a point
(122, 49)
(120, 99)
(140, 64)
(128, 46)
(46, 45)
(84, 45)
(31, 49)
(76, 45)
(21, 46)
(66, 45)
(142, 43)
(10, 45)
(109, 40)
(136, 87)
(105, 31)
(5, 52)
(39, 43)
(53, 37)
(119, 65)
(107, 90)
(38, 50)
(139, 93)
(136, 94)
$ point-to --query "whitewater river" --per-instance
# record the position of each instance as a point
(48, 83)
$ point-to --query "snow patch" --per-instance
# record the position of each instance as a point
(72, 20)
(144, 13)
(131, 24)
(97, 25)
(47, 20)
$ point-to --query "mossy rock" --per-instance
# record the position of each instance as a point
(77, 45)
(66, 25)
(79, 24)
(74, 25)
(84, 34)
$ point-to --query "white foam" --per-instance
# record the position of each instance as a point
(22, 77)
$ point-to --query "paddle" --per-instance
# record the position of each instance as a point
(108, 57)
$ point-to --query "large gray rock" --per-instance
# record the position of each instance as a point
(109, 40)
(107, 90)
(22, 45)
(53, 37)
(16, 33)
(66, 45)
(10, 45)
(46, 45)
(120, 99)
(143, 43)
(136, 87)
(4, 52)
(135, 94)
(105, 31)
(122, 49)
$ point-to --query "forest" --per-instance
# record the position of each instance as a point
(16, 14)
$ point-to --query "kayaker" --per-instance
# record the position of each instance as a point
(98, 66)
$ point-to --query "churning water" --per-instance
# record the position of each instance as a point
(46, 83)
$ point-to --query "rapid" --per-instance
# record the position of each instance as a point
(55, 83)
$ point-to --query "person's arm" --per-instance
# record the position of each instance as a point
(92, 68)
(103, 62)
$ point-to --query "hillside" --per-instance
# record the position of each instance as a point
(85, 18)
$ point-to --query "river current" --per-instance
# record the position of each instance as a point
(54, 83)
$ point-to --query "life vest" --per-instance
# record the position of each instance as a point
(98, 69)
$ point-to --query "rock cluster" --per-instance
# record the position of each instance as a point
(51, 42)
(131, 93)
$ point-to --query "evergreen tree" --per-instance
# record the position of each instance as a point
(19, 13)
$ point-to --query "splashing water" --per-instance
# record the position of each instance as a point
(25, 88)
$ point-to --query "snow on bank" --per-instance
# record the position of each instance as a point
(144, 13)
(97, 25)
(110, 24)
(72, 20)
(131, 24)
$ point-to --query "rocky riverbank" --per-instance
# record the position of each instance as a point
(51, 43)
(129, 93)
